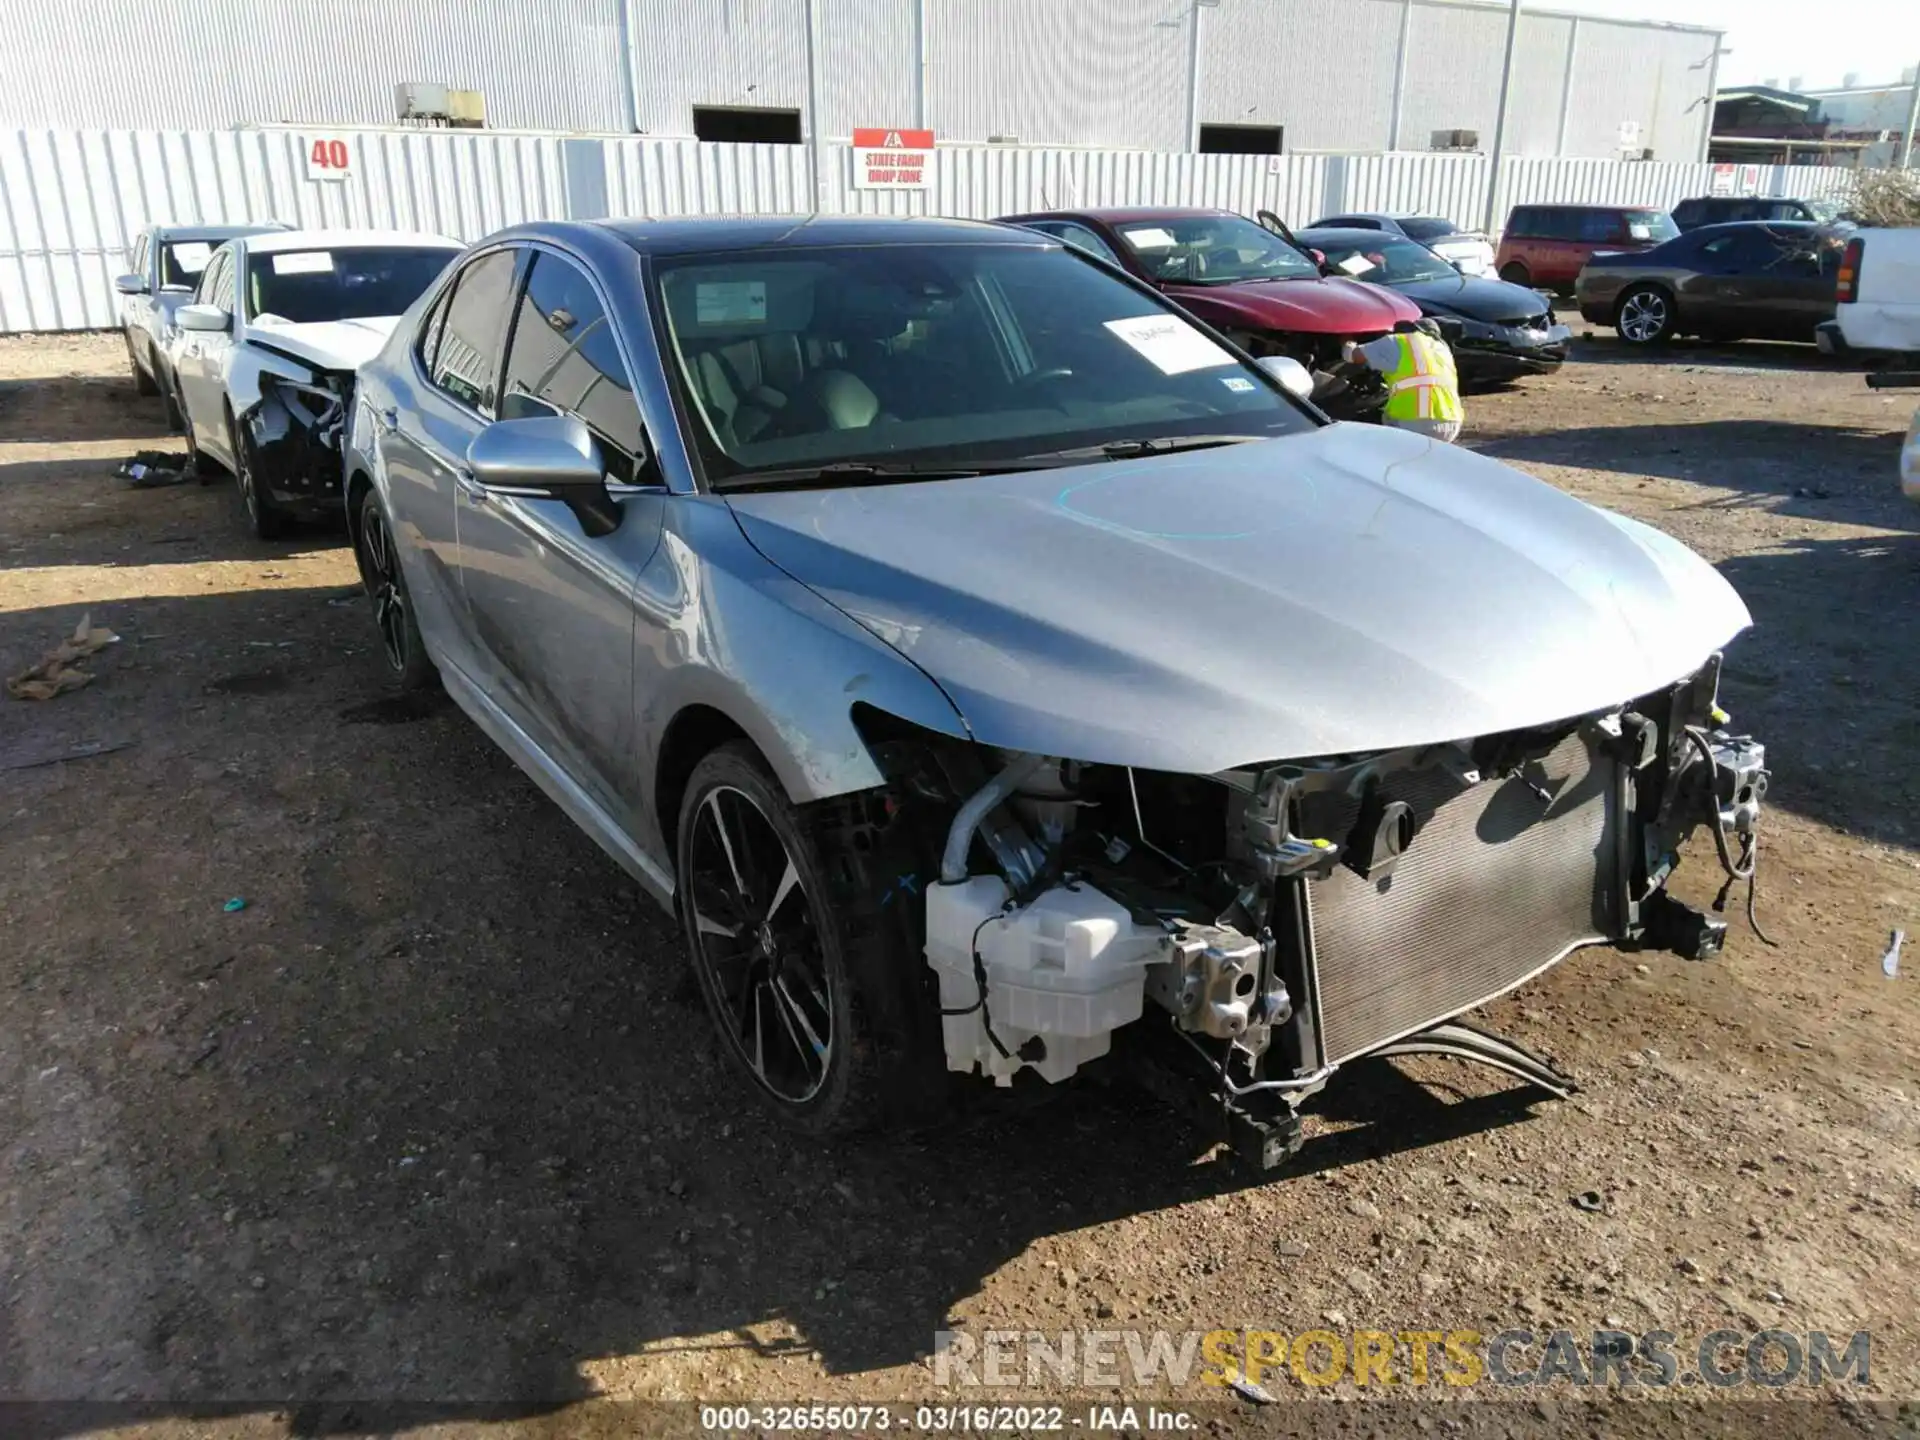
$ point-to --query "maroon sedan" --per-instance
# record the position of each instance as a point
(1245, 280)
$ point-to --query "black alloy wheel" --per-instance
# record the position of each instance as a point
(386, 586)
(767, 947)
(265, 519)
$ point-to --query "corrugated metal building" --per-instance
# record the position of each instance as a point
(1869, 112)
(1338, 75)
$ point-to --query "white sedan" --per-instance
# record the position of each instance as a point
(264, 357)
(1468, 251)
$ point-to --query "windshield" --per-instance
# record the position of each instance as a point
(1825, 211)
(1383, 260)
(182, 261)
(1426, 229)
(1213, 250)
(931, 355)
(306, 286)
(1652, 226)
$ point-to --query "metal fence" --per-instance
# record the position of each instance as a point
(71, 202)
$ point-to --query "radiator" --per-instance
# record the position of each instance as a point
(1496, 886)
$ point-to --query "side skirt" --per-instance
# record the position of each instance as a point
(579, 806)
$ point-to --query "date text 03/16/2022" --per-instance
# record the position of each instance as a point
(944, 1419)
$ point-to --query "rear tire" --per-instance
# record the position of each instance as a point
(266, 520)
(409, 668)
(1646, 316)
(1514, 273)
(170, 397)
(143, 383)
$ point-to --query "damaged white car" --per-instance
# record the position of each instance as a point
(262, 360)
(997, 672)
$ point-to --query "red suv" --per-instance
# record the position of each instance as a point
(1268, 296)
(1545, 245)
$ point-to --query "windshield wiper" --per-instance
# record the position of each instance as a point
(1136, 449)
(854, 472)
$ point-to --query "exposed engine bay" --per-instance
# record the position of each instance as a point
(296, 431)
(1284, 919)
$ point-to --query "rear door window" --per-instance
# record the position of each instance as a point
(1599, 227)
(466, 362)
(564, 359)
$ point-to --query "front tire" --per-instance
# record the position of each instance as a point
(266, 520)
(1645, 316)
(408, 665)
(769, 950)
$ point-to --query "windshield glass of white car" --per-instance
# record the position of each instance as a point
(305, 286)
(1214, 250)
(943, 355)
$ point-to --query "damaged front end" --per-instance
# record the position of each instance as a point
(295, 436)
(1269, 924)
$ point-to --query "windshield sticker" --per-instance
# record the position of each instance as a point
(1169, 343)
(1356, 264)
(1640, 232)
(730, 302)
(303, 262)
(1152, 239)
(1239, 384)
(191, 256)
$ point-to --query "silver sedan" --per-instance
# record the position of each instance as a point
(982, 658)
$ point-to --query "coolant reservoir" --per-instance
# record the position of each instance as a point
(1067, 969)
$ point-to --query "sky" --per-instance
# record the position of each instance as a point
(1778, 39)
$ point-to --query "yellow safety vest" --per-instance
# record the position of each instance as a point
(1423, 384)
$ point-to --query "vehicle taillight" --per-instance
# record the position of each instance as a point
(1846, 285)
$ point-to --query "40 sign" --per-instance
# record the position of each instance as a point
(892, 159)
(329, 157)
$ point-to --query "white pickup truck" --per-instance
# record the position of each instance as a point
(1877, 295)
(1877, 315)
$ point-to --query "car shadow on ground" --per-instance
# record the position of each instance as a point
(1823, 686)
(434, 1114)
(1602, 346)
(69, 409)
(1766, 461)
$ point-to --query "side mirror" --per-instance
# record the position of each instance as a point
(202, 317)
(547, 457)
(131, 284)
(1294, 377)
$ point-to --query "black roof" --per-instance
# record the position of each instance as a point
(1772, 227)
(1608, 209)
(695, 234)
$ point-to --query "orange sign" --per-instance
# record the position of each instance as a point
(886, 159)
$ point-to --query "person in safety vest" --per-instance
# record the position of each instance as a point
(1423, 388)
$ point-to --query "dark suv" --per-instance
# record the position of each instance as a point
(1719, 209)
(1545, 245)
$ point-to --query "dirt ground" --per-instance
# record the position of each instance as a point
(436, 1117)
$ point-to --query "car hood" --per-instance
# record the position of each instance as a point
(1330, 305)
(1494, 301)
(330, 344)
(1355, 588)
